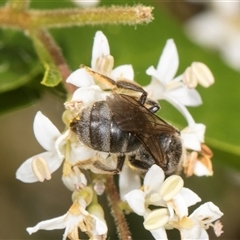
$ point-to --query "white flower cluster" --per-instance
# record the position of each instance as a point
(169, 196)
(217, 28)
(171, 201)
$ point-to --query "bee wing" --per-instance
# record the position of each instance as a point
(131, 116)
(153, 146)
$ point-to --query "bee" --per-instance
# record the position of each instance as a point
(126, 126)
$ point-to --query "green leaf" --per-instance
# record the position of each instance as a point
(18, 63)
(18, 98)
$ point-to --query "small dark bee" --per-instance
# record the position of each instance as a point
(127, 126)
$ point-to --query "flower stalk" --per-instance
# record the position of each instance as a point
(117, 213)
(52, 58)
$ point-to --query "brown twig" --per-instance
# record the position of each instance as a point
(117, 213)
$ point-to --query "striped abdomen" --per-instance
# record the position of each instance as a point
(96, 128)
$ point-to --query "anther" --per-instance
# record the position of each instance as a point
(41, 169)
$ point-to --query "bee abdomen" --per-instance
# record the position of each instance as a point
(93, 127)
(96, 129)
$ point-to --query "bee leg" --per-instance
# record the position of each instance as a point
(104, 168)
(123, 84)
(152, 106)
(138, 163)
(120, 162)
(106, 83)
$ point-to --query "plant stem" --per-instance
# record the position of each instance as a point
(117, 213)
(56, 57)
(33, 19)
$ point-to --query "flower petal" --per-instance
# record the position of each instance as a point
(168, 62)
(51, 224)
(205, 28)
(180, 206)
(45, 132)
(100, 48)
(201, 170)
(128, 181)
(156, 88)
(87, 95)
(189, 196)
(186, 96)
(136, 201)
(193, 136)
(196, 233)
(207, 212)
(182, 109)
(123, 72)
(80, 78)
(159, 233)
(100, 226)
(25, 172)
(153, 179)
(190, 141)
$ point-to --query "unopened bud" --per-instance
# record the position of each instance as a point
(99, 187)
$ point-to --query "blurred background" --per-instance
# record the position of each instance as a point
(205, 32)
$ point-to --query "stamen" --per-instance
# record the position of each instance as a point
(156, 219)
(41, 169)
(175, 83)
(189, 78)
(171, 187)
(105, 64)
(203, 74)
(61, 141)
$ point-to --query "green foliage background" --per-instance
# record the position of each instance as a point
(141, 46)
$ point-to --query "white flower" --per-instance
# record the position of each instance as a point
(59, 147)
(155, 191)
(174, 90)
(219, 21)
(192, 136)
(76, 217)
(163, 84)
(201, 219)
(198, 157)
(102, 62)
(35, 168)
(128, 181)
(158, 192)
(72, 177)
